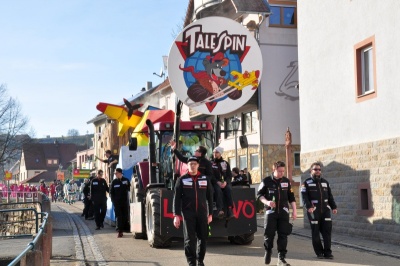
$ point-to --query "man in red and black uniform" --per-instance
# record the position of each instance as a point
(276, 192)
(319, 202)
(193, 201)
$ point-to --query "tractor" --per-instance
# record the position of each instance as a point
(155, 173)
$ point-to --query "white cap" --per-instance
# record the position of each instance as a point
(219, 150)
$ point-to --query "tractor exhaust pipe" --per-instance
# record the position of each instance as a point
(152, 153)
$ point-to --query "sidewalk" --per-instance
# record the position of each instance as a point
(339, 239)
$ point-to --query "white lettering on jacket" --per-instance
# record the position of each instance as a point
(203, 183)
(284, 184)
(324, 184)
(187, 183)
(95, 183)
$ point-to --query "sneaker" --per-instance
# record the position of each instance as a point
(200, 263)
(267, 256)
(329, 256)
(282, 262)
(321, 256)
(120, 234)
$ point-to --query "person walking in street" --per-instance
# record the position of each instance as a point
(205, 168)
(72, 187)
(119, 189)
(276, 193)
(223, 175)
(98, 189)
(111, 161)
(86, 198)
(192, 203)
(318, 201)
(53, 191)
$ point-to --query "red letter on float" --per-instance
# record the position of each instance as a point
(167, 214)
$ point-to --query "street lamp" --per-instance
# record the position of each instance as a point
(235, 127)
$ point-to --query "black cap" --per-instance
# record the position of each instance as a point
(195, 159)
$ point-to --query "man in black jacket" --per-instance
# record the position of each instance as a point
(98, 189)
(119, 189)
(276, 192)
(319, 202)
(223, 175)
(111, 161)
(193, 200)
(86, 198)
(205, 168)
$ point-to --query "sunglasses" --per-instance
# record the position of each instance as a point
(316, 169)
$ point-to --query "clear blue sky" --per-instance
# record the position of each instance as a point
(59, 58)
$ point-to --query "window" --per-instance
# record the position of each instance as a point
(243, 161)
(232, 162)
(250, 122)
(49, 161)
(365, 69)
(364, 198)
(283, 16)
(228, 127)
(296, 159)
(254, 160)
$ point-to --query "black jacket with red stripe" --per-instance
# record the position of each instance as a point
(193, 194)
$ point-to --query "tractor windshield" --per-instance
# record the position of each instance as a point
(189, 141)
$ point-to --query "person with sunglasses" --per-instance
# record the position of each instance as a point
(276, 193)
(319, 203)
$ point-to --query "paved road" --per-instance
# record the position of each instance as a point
(76, 242)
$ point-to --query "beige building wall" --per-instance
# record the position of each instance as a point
(358, 140)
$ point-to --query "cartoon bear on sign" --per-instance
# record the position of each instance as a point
(211, 81)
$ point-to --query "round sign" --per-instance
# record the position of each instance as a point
(215, 65)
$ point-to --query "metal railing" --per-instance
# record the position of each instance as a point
(23, 203)
(8, 220)
(31, 245)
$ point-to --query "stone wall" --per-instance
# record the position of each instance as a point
(365, 182)
(17, 222)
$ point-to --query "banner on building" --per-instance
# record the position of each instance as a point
(81, 173)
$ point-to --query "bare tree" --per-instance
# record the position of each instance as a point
(13, 127)
(72, 133)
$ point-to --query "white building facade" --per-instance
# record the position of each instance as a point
(348, 107)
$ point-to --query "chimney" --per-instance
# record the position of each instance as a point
(149, 85)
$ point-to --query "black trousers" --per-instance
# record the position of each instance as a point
(86, 205)
(195, 233)
(277, 221)
(121, 213)
(221, 195)
(321, 224)
(100, 209)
